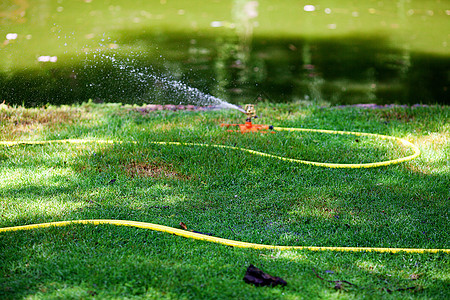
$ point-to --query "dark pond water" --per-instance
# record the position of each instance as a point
(341, 52)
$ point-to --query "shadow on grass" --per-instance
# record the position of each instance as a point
(263, 201)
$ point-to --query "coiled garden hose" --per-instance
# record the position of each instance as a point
(233, 243)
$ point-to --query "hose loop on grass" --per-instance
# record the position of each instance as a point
(306, 162)
(228, 242)
(352, 166)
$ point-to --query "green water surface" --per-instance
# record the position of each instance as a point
(342, 52)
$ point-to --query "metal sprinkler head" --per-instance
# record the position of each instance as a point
(250, 112)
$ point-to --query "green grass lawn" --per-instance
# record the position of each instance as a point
(228, 193)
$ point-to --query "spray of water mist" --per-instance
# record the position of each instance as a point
(162, 89)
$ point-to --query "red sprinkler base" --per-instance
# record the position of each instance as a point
(249, 127)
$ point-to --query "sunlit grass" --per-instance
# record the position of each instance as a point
(226, 193)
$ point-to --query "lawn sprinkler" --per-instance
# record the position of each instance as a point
(249, 126)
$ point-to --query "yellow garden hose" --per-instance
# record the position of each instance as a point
(203, 237)
(228, 242)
